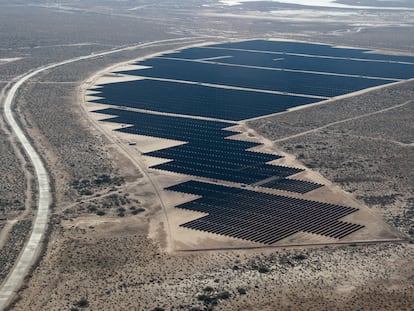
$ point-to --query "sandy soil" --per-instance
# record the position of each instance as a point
(111, 264)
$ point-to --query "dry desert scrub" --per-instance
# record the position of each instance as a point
(73, 154)
(12, 179)
(12, 246)
(123, 270)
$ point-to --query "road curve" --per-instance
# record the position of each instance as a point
(31, 249)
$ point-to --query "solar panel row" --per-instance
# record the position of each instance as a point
(261, 217)
(246, 175)
(292, 185)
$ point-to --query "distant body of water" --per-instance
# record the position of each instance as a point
(332, 4)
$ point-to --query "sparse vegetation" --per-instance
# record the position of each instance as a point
(82, 303)
(223, 295)
(136, 211)
(12, 246)
(12, 179)
(241, 291)
(300, 257)
(263, 269)
(100, 213)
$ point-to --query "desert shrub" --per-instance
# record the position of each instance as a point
(202, 297)
(92, 208)
(82, 303)
(223, 295)
(136, 211)
(86, 192)
(300, 257)
(103, 179)
(208, 289)
(208, 300)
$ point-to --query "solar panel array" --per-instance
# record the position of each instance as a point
(261, 217)
(208, 152)
(238, 81)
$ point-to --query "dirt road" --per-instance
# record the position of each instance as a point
(32, 247)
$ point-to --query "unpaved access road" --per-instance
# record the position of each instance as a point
(32, 247)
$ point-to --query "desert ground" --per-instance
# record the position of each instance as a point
(103, 249)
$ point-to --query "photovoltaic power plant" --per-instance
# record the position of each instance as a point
(195, 95)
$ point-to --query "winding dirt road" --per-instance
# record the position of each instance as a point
(32, 247)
